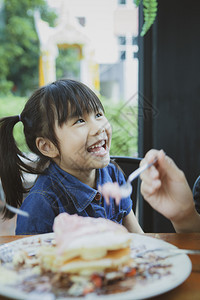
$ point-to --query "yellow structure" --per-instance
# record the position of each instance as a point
(65, 35)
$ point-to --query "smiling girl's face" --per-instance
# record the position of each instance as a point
(84, 143)
(71, 129)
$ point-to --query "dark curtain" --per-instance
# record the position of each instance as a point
(169, 93)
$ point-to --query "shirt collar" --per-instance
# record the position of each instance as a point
(80, 193)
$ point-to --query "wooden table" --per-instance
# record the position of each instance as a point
(188, 290)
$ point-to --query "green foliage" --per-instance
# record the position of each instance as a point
(10, 106)
(149, 11)
(137, 2)
(67, 64)
(19, 53)
(123, 118)
(5, 86)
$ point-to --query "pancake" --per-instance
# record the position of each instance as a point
(83, 256)
(85, 245)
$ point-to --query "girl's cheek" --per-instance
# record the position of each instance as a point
(109, 128)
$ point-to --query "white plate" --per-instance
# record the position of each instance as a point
(180, 269)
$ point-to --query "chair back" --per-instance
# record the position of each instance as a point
(196, 194)
(128, 165)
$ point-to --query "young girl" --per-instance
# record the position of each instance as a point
(65, 126)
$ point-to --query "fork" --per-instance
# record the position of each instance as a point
(126, 189)
(15, 210)
(173, 251)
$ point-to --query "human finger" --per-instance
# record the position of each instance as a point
(147, 190)
(150, 156)
(150, 174)
(167, 167)
(154, 171)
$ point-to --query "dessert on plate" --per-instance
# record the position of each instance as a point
(91, 252)
(85, 245)
(82, 256)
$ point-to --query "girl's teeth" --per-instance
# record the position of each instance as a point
(96, 146)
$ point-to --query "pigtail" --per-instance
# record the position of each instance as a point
(52, 103)
(11, 165)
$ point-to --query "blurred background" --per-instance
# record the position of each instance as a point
(149, 85)
(93, 41)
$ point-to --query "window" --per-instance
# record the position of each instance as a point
(81, 21)
(134, 40)
(121, 40)
(122, 2)
(122, 55)
(135, 54)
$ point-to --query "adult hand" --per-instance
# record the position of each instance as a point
(165, 188)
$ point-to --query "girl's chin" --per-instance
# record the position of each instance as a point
(103, 161)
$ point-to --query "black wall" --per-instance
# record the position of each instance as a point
(169, 93)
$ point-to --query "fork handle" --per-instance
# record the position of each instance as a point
(17, 211)
(169, 250)
(137, 172)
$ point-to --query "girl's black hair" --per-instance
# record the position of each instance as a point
(53, 102)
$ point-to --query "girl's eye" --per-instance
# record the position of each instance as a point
(98, 115)
(79, 121)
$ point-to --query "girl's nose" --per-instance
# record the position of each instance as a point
(101, 130)
(97, 129)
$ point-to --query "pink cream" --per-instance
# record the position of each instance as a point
(67, 228)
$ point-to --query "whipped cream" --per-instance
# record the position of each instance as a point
(73, 231)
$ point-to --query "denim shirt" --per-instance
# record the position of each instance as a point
(56, 191)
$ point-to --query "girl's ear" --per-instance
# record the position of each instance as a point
(46, 147)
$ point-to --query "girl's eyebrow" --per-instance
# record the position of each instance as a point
(73, 116)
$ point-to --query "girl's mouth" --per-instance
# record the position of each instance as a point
(99, 148)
